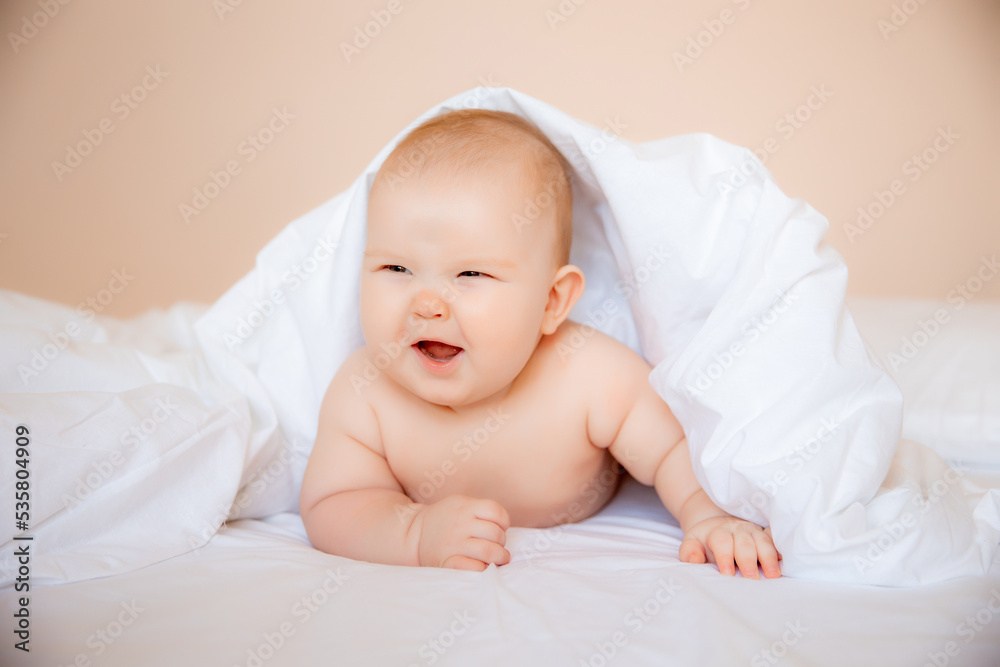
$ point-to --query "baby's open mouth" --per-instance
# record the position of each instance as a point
(438, 351)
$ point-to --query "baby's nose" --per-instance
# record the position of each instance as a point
(429, 305)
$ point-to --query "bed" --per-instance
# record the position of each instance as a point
(608, 590)
(162, 455)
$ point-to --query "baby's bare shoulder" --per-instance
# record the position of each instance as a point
(581, 348)
(610, 376)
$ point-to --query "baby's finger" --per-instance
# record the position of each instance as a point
(486, 551)
(771, 537)
(745, 552)
(490, 510)
(721, 545)
(488, 530)
(458, 562)
(691, 551)
(767, 554)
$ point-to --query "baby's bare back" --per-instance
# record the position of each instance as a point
(529, 451)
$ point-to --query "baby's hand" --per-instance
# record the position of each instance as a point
(463, 533)
(723, 539)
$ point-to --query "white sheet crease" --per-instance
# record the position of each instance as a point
(729, 291)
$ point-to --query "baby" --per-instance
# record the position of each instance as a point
(473, 406)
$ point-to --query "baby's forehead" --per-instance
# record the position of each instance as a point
(492, 150)
(451, 156)
(448, 174)
(481, 211)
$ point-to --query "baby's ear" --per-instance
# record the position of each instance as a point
(567, 288)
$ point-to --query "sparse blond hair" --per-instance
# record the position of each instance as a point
(474, 142)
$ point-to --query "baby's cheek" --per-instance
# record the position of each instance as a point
(371, 314)
(519, 342)
(380, 316)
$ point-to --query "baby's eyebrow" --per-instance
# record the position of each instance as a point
(488, 261)
(382, 255)
(465, 262)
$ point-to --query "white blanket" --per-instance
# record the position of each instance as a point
(693, 257)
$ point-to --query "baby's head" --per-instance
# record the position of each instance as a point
(466, 263)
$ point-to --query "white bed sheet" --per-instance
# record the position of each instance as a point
(729, 292)
(603, 592)
(607, 591)
(147, 434)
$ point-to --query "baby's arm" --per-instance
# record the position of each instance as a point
(650, 443)
(353, 506)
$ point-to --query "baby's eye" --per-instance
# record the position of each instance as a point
(396, 268)
(471, 274)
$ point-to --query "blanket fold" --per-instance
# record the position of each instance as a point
(696, 260)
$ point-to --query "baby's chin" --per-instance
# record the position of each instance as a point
(450, 393)
(449, 399)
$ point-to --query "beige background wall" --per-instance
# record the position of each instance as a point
(222, 67)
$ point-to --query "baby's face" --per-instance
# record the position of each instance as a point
(451, 289)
